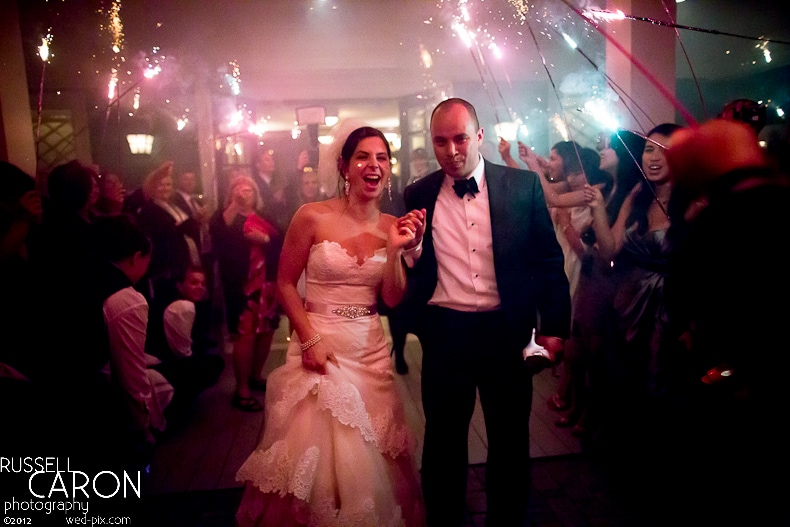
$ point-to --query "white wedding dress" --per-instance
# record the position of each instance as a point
(336, 448)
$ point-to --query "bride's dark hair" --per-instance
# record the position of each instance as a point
(358, 135)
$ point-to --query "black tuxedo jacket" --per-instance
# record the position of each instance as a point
(191, 227)
(528, 261)
(272, 210)
(179, 200)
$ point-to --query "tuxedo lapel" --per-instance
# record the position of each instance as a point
(185, 204)
(433, 185)
(422, 194)
(498, 204)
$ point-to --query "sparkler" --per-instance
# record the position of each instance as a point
(560, 125)
(608, 16)
(612, 84)
(43, 52)
(525, 13)
(148, 73)
(234, 78)
(469, 38)
(688, 61)
(113, 85)
(660, 87)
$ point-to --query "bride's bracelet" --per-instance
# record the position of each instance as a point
(310, 343)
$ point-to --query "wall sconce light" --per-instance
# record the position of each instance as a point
(140, 143)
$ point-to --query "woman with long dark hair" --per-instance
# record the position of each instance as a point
(644, 357)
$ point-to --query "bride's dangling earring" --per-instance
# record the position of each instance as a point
(346, 187)
(389, 188)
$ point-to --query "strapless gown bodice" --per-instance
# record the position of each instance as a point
(333, 276)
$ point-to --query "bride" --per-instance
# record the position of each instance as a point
(336, 448)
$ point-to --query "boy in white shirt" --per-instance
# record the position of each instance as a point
(190, 370)
(144, 392)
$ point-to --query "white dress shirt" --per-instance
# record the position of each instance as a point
(461, 230)
(179, 319)
(146, 392)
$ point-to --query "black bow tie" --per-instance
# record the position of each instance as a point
(462, 186)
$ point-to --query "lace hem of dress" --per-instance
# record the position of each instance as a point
(271, 471)
(345, 403)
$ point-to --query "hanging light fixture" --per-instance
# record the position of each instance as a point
(140, 143)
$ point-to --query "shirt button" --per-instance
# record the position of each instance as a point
(474, 250)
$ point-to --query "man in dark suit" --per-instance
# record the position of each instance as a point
(187, 199)
(273, 204)
(185, 196)
(485, 272)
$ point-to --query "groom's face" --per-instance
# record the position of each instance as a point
(456, 141)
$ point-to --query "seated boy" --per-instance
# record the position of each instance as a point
(188, 371)
(144, 392)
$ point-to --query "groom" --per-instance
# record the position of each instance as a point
(485, 272)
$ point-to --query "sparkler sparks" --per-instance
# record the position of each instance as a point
(425, 56)
(597, 109)
(152, 71)
(478, 21)
(521, 7)
(234, 78)
(43, 49)
(560, 126)
(116, 27)
(113, 84)
(766, 52)
(570, 41)
(603, 15)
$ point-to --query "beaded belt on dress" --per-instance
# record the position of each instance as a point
(348, 311)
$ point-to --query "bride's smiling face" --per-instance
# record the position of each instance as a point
(369, 168)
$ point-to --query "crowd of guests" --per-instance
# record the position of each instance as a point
(107, 297)
(666, 375)
(104, 311)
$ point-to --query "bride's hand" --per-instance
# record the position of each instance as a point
(316, 356)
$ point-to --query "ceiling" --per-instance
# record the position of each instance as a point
(357, 57)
